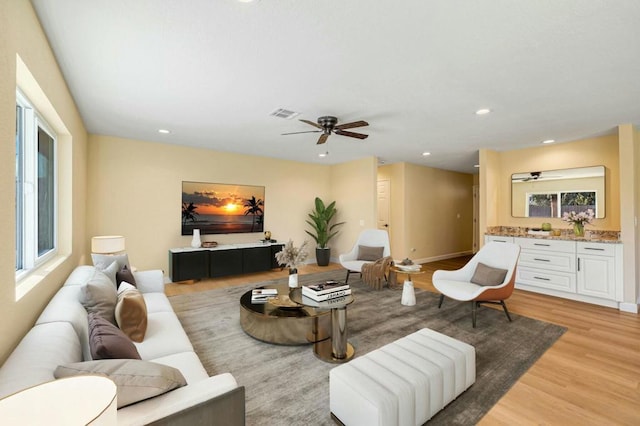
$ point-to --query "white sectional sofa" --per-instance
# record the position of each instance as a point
(61, 336)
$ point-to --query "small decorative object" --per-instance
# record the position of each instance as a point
(292, 257)
(556, 232)
(579, 220)
(267, 235)
(406, 261)
(546, 226)
(195, 241)
(209, 244)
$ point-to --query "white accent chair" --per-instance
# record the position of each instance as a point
(369, 238)
(457, 284)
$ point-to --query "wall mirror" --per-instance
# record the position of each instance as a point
(550, 193)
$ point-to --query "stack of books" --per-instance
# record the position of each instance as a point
(261, 295)
(326, 291)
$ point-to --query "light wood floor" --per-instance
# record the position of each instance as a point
(590, 376)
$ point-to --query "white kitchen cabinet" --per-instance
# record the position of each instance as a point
(579, 270)
(596, 270)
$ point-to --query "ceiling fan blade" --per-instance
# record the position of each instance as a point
(352, 125)
(308, 131)
(350, 134)
(312, 123)
(323, 139)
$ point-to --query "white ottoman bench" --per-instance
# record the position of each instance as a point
(403, 383)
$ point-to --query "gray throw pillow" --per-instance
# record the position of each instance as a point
(487, 275)
(136, 380)
(111, 271)
(101, 261)
(370, 253)
(106, 341)
(100, 296)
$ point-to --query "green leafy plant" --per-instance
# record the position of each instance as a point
(320, 220)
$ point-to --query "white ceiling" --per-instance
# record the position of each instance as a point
(212, 71)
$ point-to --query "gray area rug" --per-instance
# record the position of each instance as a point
(288, 385)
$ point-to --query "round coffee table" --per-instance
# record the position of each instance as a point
(283, 322)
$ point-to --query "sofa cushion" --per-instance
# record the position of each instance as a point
(99, 296)
(165, 336)
(369, 253)
(108, 341)
(487, 275)
(125, 274)
(131, 312)
(136, 380)
(65, 306)
(188, 363)
(37, 355)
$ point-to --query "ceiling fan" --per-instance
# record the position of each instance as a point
(533, 176)
(329, 124)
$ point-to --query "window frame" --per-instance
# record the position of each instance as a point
(28, 123)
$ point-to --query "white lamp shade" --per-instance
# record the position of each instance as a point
(107, 244)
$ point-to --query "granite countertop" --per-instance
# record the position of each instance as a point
(595, 236)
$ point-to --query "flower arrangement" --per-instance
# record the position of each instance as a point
(292, 257)
(579, 220)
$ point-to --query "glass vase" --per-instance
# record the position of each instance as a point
(293, 278)
(578, 229)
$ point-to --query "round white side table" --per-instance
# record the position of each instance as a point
(78, 400)
(408, 292)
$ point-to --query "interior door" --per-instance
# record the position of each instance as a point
(384, 205)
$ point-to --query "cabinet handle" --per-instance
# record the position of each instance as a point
(543, 245)
(578, 264)
(594, 248)
(542, 278)
(541, 260)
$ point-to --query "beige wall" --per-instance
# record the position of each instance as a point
(427, 203)
(135, 190)
(353, 187)
(21, 34)
(629, 201)
(582, 153)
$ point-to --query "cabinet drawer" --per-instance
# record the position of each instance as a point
(548, 260)
(597, 249)
(498, 238)
(547, 279)
(542, 244)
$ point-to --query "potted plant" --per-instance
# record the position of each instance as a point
(320, 220)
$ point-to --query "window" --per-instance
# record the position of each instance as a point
(545, 204)
(36, 177)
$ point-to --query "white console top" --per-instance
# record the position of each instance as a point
(225, 247)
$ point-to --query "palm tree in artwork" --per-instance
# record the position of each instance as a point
(253, 207)
(189, 213)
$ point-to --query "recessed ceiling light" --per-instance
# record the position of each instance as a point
(426, 154)
(483, 111)
(323, 154)
(247, 1)
(164, 131)
(549, 141)
(476, 166)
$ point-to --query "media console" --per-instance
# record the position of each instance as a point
(188, 263)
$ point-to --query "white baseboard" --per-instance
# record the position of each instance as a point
(441, 257)
(629, 307)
